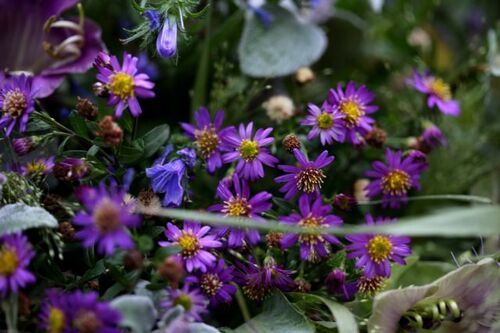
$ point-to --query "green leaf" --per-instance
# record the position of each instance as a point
(17, 217)
(422, 272)
(112, 291)
(155, 139)
(131, 154)
(94, 272)
(138, 312)
(278, 315)
(78, 124)
(280, 48)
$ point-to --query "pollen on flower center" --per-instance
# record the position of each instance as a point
(207, 141)
(352, 112)
(309, 179)
(236, 207)
(324, 120)
(56, 320)
(311, 222)
(87, 322)
(396, 182)
(36, 168)
(8, 261)
(122, 85)
(107, 216)
(14, 103)
(190, 245)
(440, 89)
(248, 149)
(379, 248)
(185, 301)
(210, 284)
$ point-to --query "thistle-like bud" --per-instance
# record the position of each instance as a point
(273, 239)
(67, 231)
(23, 146)
(279, 108)
(376, 137)
(71, 169)
(302, 286)
(166, 43)
(109, 131)
(86, 108)
(133, 259)
(291, 142)
(172, 271)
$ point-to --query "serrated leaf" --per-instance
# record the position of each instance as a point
(280, 48)
(155, 139)
(17, 217)
(138, 312)
(278, 315)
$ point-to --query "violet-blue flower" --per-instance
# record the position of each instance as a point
(15, 256)
(326, 123)
(166, 42)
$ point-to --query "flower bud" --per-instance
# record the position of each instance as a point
(359, 189)
(171, 270)
(71, 170)
(109, 131)
(302, 286)
(153, 18)
(147, 203)
(344, 202)
(304, 75)
(86, 108)
(291, 142)
(279, 108)
(67, 231)
(166, 43)
(133, 259)
(337, 285)
(93, 285)
(100, 89)
(23, 146)
(376, 137)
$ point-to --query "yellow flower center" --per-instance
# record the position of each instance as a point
(236, 207)
(370, 287)
(14, 103)
(379, 248)
(210, 284)
(8, 261)
(185, 301)
(396, 182)
(352, 112)
(309, 179)
(248, 150)
(107, 216)
(56, 320)
(36, 168)
(122, 85)
(440, 88)
(324, 121)
(207, 141)
(189, 243)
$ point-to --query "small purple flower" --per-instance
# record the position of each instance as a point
(437, 91)
(71, 169)
(106, 219)
(337, 285)
(215, 283)
(307, 177)
(23, 146)
(250, 153)
(166, 43)
(17, 100)
(325, 122)
(375, 252)
(124, 83)
(432, 138)
(38, 167)
(54, 316)
(207, 137)
(313, 214)
(191, 299)
(88, 314)
(354, 104)
(394, 179)
(153, 18)
(241, 204)
(15, 256)
(344, 202)
(420, 159)
(195, 244)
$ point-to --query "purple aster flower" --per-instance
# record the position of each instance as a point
(16, 103)
(154, 19)
(375, 252)
(344, 202)
(191, 299)
(337, 285)
(258, 281)
(54, 316)
(307, 177)
(326, 122)
(49, 46)
(432, 138)
(88, 314)
(106, 219)
(215, 283)
(437, 91)
(71, 169)
(250, 153)
(207, 137)
(15, 256)
(166, 42)
(420, 159)
(38, 167)
(313, 214)
(124, 83)
(195, 244)
(394, 179)
(241, 204)
(354, 104)
(23, 146)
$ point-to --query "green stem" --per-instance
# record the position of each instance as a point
(243, 305)
(455, 197)
(10, 308)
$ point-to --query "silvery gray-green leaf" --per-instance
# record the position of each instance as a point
(138, 312)
(18, 217)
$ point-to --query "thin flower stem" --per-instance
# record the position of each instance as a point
(456, 197)
(10, 308)
(243, 305)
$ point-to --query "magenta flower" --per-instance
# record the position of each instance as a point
(195, 244)
(375, 252)
(38, 167)
(106, 219)
(191, 299)
(432, 138)
(326, 122)
(437, 91)
(37, 40)
(241, 203)
(207, 137)
(307, 177)
(15, 256)
(394, 179)
(313, 214)
(123, 82)
(250, 153)
(16, 103)
(354, 104)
